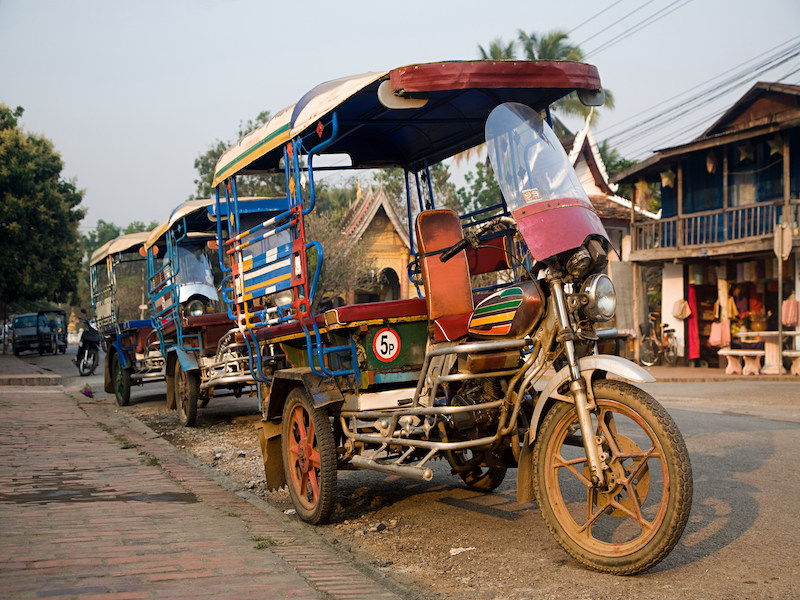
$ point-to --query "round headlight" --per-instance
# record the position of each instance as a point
(602, 298)
(283, 298)
(196, 308)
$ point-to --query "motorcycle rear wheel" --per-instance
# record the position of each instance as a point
(634, 524)
(479, 479)
(309, 457)
(187, 389)
(122, 381)
(648, 352)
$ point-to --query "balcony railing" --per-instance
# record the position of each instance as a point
(715, 227)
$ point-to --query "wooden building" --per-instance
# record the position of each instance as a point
(723, 196)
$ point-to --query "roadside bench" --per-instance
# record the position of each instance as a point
(795, 354)
(752, 361)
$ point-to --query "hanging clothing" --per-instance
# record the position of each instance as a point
(790, 311)
(692, 332)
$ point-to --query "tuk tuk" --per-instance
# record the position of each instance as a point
(504, 376)
(117, 272)
(203, 348)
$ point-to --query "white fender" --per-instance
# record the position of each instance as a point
(617, 365)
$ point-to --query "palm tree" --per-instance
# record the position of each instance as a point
(497, 50)
(554, 45)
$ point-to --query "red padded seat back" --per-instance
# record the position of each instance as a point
(448, 291)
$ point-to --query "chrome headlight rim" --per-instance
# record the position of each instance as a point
(195, 308)
(602, 297)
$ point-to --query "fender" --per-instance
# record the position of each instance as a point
(188, 361)
(322, 390)
(587, 365)
(123, 356)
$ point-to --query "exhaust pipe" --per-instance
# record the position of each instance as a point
(423, 474)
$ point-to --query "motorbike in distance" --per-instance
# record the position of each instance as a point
(88, 347)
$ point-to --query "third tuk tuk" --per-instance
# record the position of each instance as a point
(133, 352)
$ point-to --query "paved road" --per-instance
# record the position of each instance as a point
(741, 540)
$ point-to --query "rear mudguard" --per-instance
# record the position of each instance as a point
(188, 361)
(108, 382)
(123, 357)
(589, 367)
(321, 390)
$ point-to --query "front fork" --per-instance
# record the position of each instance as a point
(577, 387)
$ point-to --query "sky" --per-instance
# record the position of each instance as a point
(130, 93)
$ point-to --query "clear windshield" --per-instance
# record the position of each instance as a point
(529, 162)
(194, 267)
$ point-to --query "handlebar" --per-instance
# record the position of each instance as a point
(454, 249)
(472, 238)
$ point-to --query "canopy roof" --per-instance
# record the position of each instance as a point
(123, 243)
(202, 214)
(426, 112)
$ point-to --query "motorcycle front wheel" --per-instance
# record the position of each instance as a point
(638, 518)
(88, 363)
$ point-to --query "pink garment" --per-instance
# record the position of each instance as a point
(790, 312)
(692, 333)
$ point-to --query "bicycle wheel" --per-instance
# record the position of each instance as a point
(671, 349)
(648, 352)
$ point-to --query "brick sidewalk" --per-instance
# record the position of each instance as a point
(94, 506)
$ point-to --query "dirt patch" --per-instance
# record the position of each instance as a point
(436, 537)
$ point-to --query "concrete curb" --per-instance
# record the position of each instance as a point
(14, 371)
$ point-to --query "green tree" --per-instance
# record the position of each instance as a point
(394, 184)
(554, 45)
(250, 185)
(40, 247)
(102, 233)
(481, 190)
(498, 50)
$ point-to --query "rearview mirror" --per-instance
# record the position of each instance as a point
(592, 97)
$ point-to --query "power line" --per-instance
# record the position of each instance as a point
(664, 141)
(685, 92)
(594, 16)
(644, 23)
(615, 22)
(700, 100)
(702, 97)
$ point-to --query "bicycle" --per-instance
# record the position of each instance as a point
(658, 341)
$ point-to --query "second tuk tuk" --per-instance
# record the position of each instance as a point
(203, 348)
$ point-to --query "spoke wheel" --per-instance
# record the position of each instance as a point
(187, 390)
(480, 478)
(648, 352)
(122, 381)
(309, 457)
(671, 350)
(88, 363)
(634, 522)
